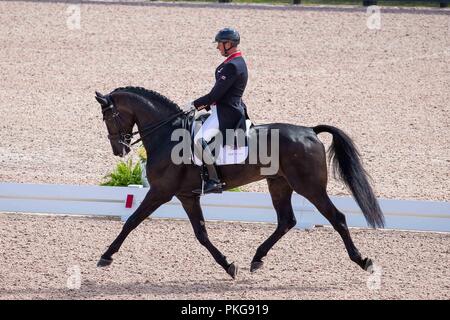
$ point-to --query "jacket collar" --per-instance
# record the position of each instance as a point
(232, 56)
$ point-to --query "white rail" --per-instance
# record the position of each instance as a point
(229, 206)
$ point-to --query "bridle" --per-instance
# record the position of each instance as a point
(124, 137)
(120, 136)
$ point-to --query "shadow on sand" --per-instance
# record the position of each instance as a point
(156, 290)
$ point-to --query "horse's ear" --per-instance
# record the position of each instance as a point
(101, 99)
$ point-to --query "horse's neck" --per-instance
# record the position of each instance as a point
(154, 118)
(147, 115)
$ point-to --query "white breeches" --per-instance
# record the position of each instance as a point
(209, 128)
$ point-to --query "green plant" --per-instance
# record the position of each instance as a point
(124, 174)
(237, 189)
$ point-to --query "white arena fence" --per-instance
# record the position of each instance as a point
(229, 206)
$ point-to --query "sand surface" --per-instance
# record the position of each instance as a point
(41, 257)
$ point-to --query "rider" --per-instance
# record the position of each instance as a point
(224, 101)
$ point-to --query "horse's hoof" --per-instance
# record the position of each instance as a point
(368, 265)
(232, 270)
(255, 265)
(104, 262)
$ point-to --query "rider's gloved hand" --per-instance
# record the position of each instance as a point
(188, 107)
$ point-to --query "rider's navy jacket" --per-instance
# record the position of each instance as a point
(231, 80)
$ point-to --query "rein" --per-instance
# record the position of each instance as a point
(153, 128)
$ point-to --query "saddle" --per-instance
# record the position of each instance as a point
(226, 153)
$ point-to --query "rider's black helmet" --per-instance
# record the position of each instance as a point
(228, 34)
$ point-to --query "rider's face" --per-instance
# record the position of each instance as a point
(221, 46)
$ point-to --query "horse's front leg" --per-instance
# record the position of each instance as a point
(152, 201)
(192, 207)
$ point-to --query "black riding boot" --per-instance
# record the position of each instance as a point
(211, 180)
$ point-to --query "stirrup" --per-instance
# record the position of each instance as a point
(216, 187)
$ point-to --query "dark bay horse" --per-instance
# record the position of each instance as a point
(302, 168)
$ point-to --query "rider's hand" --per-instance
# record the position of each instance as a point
(188, 107)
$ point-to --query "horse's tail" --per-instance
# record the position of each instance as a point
(347, 166)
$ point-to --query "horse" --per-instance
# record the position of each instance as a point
(302, 168)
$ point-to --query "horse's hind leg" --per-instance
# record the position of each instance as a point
(281, 194)
(318, 196)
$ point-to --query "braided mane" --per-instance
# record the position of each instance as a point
(149, 95)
